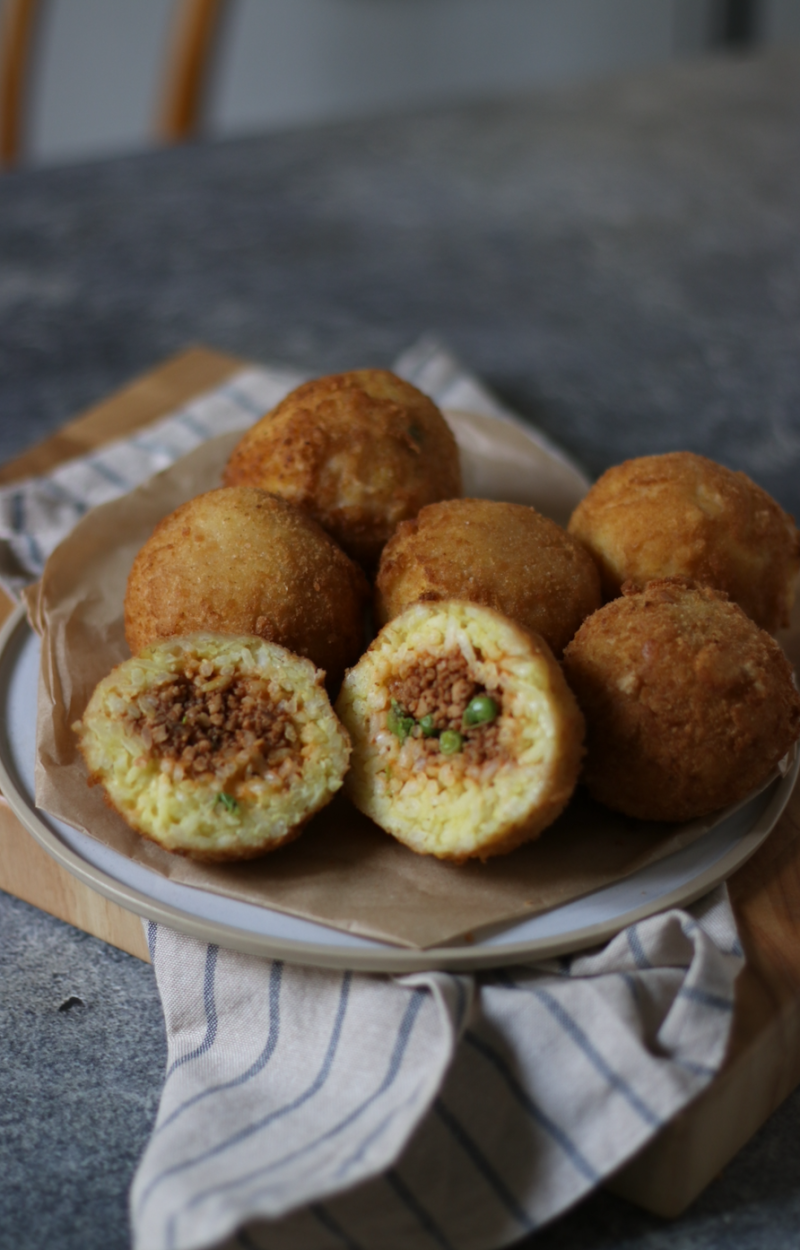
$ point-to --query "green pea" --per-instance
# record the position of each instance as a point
(481, 711)
(428, 726)
(450, 742)
(399, 722)
(228, 802)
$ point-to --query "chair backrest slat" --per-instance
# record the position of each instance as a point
(189, 58)
(195, 31)
(20, 20)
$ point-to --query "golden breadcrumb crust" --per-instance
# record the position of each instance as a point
(682, 515)
(504, 555)
(240, 561)
(358, 451)
(689, 706)
(214, 747)
(491, 796)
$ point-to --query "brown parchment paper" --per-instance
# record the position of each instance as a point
(343, 871)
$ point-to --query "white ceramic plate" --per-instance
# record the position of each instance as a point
(674, 881)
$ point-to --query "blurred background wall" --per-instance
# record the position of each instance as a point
(99, 63)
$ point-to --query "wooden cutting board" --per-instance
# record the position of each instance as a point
(763, 1062)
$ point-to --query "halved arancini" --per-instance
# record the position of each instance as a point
(214, 747)
(467, 740)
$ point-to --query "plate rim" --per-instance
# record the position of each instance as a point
(383, 958)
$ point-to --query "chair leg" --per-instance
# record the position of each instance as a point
(195, 37)
(21, 19)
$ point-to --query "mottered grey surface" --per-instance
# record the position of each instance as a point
(621, 262)
(83, 1055)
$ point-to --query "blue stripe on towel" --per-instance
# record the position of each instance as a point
(16, 507)
(703, 996)
(394, 1065)
(461, 1002)
(412, 1204)
(636, 948)
(333, 1226)
(392, 1070)
(210, 1009)
(576, 1033)
(323, 1217)
(193, 425)
(633, 985)
(690, 925)
(244, 1240)
(250, 1129)
(373, 1135)
(578, 1160)
(108, 474)
(482, 1165)
(275, 977)
(60, 494)
(36, 557)
(243, 401)
(696, 1069)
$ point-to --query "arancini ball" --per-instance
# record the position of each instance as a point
(240, 561)
(506, 556)
(689, 705)
(358, 451)
(682, 515)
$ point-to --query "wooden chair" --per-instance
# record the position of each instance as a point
(195, 29)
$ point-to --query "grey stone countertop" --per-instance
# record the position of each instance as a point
(620, 262)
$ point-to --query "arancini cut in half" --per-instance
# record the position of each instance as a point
(466, 738)
(214, 747)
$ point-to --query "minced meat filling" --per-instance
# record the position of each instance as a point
(442, 687)
(228, 733)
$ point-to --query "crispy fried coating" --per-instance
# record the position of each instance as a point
(689, 705)
(358, 451)
(214, 747)
(467, 741)
(240, 561)
(682, 515)
(504, 555)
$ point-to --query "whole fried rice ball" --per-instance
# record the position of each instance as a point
(682, 515)
(504, 555)
(466, 739)
(216, 748)
(239, 561)
(689, 706)
(358, 451)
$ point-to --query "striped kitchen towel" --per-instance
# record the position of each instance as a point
(37, 513)
(313, 1110)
